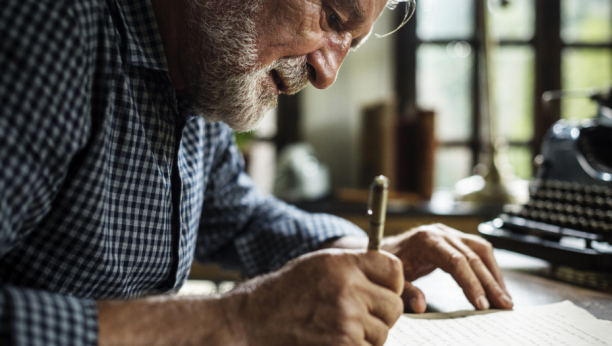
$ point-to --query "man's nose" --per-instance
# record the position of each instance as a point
(326, 60)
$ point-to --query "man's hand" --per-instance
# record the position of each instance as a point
(468, 258)
(329, 297)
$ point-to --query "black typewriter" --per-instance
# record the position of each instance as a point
(568, 219)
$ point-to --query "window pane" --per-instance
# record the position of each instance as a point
(514, 92)
(520, 159)
(515, 21)
(444, 85)
(452, 165)
(584, 68)
(445, 19)
(586, 20)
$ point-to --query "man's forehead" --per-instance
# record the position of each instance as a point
(356, 11)
(358, 8)
(361, 11)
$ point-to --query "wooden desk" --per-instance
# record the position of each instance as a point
(525, 284)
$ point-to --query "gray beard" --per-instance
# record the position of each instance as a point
(224, 82)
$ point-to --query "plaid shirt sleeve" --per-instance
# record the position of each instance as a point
(240, 226)
(41, 127)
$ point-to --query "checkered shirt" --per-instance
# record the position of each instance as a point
(110, 185)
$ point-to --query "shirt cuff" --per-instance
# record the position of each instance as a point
(43, 318)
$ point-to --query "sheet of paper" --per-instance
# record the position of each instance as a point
(555, 325)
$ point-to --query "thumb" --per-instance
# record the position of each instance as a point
(414, 298)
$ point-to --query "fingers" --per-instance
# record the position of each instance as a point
(383, 304)
(495, 294)
(452, 261)
(484, 249)
(382, 268)
(414, 298)
(375, 331)
(470, 261)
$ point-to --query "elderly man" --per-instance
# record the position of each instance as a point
(118, 168)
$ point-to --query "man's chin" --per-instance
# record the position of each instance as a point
(245, 121)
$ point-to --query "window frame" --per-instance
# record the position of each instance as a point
(547, 46)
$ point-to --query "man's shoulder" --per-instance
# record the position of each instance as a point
(49, 19)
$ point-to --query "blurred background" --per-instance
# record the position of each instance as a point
(411, 105)
(433, 64)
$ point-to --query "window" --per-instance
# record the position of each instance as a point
(586, 31)
(543, 45)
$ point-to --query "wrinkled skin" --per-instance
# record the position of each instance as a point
(329, 297)
(468, 258)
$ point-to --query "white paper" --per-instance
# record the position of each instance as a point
(556, 324)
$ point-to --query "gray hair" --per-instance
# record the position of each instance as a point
(410, 9)
(392, 4)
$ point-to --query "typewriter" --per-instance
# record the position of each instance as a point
(568, 219)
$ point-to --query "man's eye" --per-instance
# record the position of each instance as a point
(334, 20)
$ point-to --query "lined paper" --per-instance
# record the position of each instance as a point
(555, 324)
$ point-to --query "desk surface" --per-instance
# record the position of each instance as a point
(526, 286)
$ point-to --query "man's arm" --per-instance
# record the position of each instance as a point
(242, 227)
(43, 121)
(326, 298)
(165, 320)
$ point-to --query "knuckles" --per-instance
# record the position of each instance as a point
(488, 246)
(457, 261)
(395, 264)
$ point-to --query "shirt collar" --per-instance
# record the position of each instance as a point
(143, 44)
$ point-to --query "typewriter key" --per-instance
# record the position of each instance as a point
(597, 190)
(588, 212)
(525, 213)
(553, 218)
(578, 198)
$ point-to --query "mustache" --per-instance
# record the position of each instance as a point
(291, 74)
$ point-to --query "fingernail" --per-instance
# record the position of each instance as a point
(506, 300)
(482, 303)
